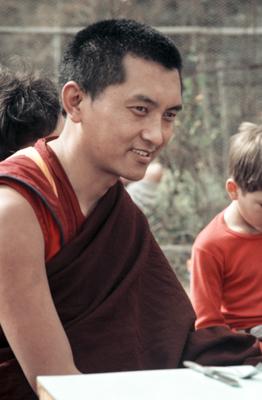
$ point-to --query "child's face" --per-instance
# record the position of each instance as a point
(250, 209)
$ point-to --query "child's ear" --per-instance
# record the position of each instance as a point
(71, 98)
(232, 189)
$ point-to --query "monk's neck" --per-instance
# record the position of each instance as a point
(89, 184)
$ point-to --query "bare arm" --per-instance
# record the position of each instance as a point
(27, 313)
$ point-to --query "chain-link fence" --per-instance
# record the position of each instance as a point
(220, 41)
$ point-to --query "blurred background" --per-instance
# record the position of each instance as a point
(220, 41)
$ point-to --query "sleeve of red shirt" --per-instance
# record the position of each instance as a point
(206, 287)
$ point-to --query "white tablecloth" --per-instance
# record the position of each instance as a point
(175, 384)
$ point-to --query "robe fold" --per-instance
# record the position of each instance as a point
(121, 304)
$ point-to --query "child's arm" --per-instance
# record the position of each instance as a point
(206, 288)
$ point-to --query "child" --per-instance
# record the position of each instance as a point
(29, 109)
(226, 282)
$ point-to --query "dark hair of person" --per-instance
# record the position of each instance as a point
(245, 157)
(94, 58)
(29, 109)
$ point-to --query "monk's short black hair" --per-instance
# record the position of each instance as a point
(94, 59)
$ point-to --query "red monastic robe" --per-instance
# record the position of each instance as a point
(118, 299)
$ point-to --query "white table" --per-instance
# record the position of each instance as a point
(175, 384)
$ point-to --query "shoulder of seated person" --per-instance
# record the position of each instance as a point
(12, 203)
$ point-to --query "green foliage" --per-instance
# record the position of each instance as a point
(192, 190)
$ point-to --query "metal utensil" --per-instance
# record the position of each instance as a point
(212, 373)
(253, 371)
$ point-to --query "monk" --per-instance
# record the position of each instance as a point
(84, 286)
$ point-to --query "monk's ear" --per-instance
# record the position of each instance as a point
(232, 189)
(72, 96)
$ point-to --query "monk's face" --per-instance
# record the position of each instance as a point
(127, 125)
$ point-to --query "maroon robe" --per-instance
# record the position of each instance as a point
(121, 304)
